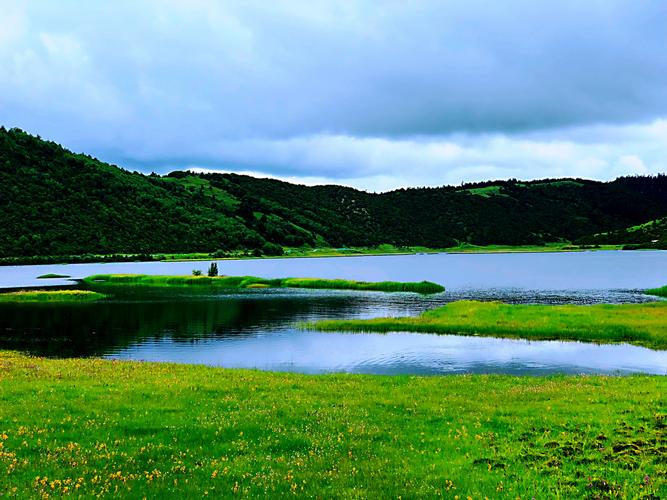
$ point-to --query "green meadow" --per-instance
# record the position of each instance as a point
(121, 280)
(92, 427)
(640, 324)
(51, 296)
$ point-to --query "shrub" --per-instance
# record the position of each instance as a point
(196, 272)
(272, 249)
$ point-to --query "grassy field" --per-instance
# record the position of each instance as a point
(640, 324)
(51, 296)
(660, 292)
(95, 427)
(120, 280)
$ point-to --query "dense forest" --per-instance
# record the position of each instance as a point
(55, 202)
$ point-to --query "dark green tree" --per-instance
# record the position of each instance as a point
(213, 269)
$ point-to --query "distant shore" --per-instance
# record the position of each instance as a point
(381, 250)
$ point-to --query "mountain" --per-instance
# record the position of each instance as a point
(55, 202)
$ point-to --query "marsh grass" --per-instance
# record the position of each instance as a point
(91, 427)
(51, 296)
(640, 324)
(425, 287)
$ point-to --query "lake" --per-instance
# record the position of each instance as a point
(256, 328)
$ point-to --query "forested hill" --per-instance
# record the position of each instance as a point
(652, 234)
(55, 202)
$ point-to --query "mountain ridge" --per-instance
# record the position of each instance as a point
(56, 202)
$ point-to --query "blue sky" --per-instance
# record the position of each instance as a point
(373, 94)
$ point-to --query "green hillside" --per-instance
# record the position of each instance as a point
(55, 202)
(652, 234)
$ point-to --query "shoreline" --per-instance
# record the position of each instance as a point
(320, 253)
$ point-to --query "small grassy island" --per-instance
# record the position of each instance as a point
(51, 276)
(120, 280)
(51, 296)
(640, 324)
(92, 427)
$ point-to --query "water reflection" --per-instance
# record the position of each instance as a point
(96, 328)
(255, 329)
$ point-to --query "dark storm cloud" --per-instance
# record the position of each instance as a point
(263, 85)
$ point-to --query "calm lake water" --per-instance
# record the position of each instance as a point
(256, 328)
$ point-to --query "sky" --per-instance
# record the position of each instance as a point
(375, 94)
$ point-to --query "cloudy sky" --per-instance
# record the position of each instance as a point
(374, 94)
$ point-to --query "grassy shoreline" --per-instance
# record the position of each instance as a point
(51, 296)
(94, 427)
(639, 324)
(137, 280)
(290, 253)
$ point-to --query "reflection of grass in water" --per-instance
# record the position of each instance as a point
(63, 329)
(661, 292)
(51, 296)
(254, 282)
(641, 324)
(163, 430)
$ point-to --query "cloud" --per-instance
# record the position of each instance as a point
(342, 90)
(380, 164)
